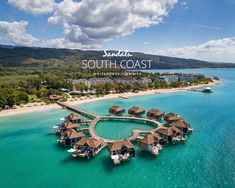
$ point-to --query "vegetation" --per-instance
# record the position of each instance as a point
(33, 74)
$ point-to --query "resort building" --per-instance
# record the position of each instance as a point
(145, 80)
(116, 110)
(136, 111)
(171, 134)
(73, 118)
(168, 77)
(70, 137)
(151, 143)
(171, 117)
(121, 151)
(94, 81)
(124, 80)
(88, 147)
(189, 77)
(155, 114)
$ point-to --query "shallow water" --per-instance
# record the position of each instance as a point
(30, 156)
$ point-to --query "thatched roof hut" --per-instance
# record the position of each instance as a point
(155, 113)
(116, 110)
(171, 117)
(136, 111)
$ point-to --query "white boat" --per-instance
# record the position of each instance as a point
(62, 119)
(55, 127)
(207, 90)
(72, 150)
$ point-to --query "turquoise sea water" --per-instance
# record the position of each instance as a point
(30, 156)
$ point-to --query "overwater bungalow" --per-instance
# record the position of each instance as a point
(68, 125)
(116, 110)
(171, 134)
(171, 117)
(70, 137)
(155, 114)
(73, 118)
(121, 151)
(181, 125)
(136, 111)
(151, 143)
(88, 147)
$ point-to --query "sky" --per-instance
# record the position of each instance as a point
(197, 29)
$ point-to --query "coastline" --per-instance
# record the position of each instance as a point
(39, 107)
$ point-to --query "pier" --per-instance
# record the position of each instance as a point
(79, 111)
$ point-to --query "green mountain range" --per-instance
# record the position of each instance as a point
(49, 57)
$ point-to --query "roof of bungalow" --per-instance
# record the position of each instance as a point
(175, 130)
(171, 117)
(168, 131)
(91, 142)
(179, 123)
(72, 116)
(73, 134)
(69, 125)
(155, 112)
(136, 109)
(156, 136)
(116, 108)
(116, 146)
(165, 131)
(149, 139)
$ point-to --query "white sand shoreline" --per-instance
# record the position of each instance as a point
(39, 108)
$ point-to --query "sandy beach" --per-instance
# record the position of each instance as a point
(37, 107)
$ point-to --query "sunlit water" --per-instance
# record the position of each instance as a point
(31, 157)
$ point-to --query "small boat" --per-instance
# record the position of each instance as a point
(72, 150)
(55, 127)
(123, 97)
(62, 119)
(207, 90)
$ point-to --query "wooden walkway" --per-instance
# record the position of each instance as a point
(135, 133)
(91, 128)
(79, 111)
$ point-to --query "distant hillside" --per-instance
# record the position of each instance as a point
(27, 56)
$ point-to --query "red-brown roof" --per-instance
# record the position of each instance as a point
(116, 109)
(73, 134)
(91, 142)
(149, 139)
(179, 123)
(155, 112)
(116, 146)
(54, 97)
(171, 117)
(69, 125)
(165, 131)
(72, 117)
(136, 110)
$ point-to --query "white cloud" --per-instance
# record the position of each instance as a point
(63, 43)
(92, 22)
(221, 50)
(34, 6)
(15, 33)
